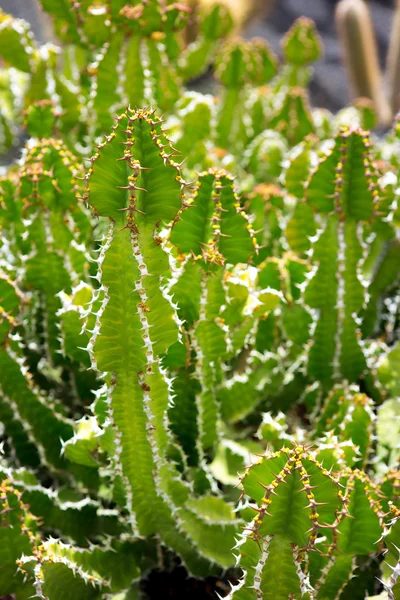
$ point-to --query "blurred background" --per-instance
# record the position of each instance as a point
(270, 19)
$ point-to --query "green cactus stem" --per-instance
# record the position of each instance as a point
(135, 325)
(360, 54)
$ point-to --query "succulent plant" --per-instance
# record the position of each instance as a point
(199, 325)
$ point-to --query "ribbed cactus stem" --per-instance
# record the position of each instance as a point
(360, 54)
(393, 62)
(136, 325)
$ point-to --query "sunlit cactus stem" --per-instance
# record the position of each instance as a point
(360, 54)
(393, 62)
(135, 326)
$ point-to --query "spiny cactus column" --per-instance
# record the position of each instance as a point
(136, 184)
(211, 230)
(54, 570)
(240, 67)
(139, 62)
(192, 126)
(288, 108)
(61, 571)
(348, 414)
(18, 535)
(342, 189)
(292, 546)
(301, 47)
(214, 23)
(35, 426)
(57, 231)
(34, 73)
(115, 54)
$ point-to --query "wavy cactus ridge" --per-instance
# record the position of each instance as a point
(346, 509)
(29, 407)
(55, 247)
(216, 228)
(337, 350)
(135, 327)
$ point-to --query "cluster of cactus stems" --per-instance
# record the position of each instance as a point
(199, 325)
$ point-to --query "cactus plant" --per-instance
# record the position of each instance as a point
(199, 348)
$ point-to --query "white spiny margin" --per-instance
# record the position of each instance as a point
(159, 460)
(121, 79)
(105, 245)
(167, 284)
(68, 305)
(233, 278)
(37, 572)
(53, 494)
(148, 76)
(44, 53)
(198, 373)
(34, 389)
(365, 247)
(54, 554)
(341, 268)
(151, 361)
(26, 426)
(90, 110)
(177, 268)
(324, 574)
(260, 566)
(54, 559)
(116, 464)
(390, 179)
(304, 579)
(344, 584)
(368, 409)
(21, 27)
(389, 585)
(309, 276)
